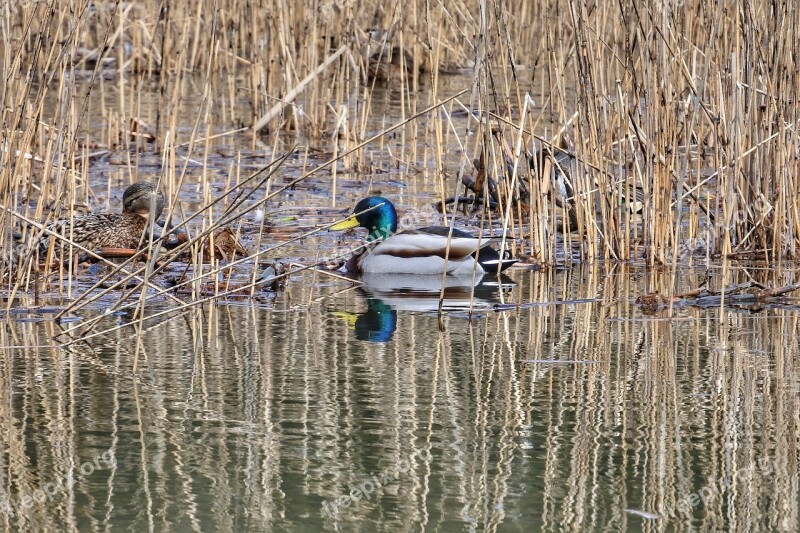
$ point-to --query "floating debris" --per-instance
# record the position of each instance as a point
(751, 295)
(644, 514)
(274, 276)
(225, 246)
(652, 302)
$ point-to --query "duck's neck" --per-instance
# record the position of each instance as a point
(384, 229)
(382, 224)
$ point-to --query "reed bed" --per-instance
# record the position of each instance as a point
(691, 103)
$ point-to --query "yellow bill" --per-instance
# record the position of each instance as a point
(349, 222)
(350, 318)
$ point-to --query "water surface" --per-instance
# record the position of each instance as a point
(330, 408)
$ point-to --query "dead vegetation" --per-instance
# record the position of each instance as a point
(568, 112)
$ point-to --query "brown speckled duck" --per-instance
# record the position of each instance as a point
(391, 66)
(141, 205)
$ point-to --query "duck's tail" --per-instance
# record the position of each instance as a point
(491, 262)
(489, 258)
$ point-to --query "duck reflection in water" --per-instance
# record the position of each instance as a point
(386, 295)
(377, 324)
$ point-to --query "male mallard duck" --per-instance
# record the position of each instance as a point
(141, 205)
(418, 251)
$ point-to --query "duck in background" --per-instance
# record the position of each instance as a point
(565, 169)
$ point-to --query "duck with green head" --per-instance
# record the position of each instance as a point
(424, 251)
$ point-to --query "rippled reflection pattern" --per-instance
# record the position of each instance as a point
(578, 413)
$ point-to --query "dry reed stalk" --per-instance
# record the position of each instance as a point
(624, 55)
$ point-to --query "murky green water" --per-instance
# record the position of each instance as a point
(334, 408)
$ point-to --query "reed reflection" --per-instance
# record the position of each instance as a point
(579, 413)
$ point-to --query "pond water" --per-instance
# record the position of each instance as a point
(543, 400)
(325, 407)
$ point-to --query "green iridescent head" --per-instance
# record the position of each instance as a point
(375, 213)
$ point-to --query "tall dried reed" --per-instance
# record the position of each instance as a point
(690, 103)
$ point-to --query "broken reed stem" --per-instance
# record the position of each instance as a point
(278, 108)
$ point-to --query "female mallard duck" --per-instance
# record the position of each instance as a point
(391, 65)
(418, 251)
(566, 168)
(141, 205)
